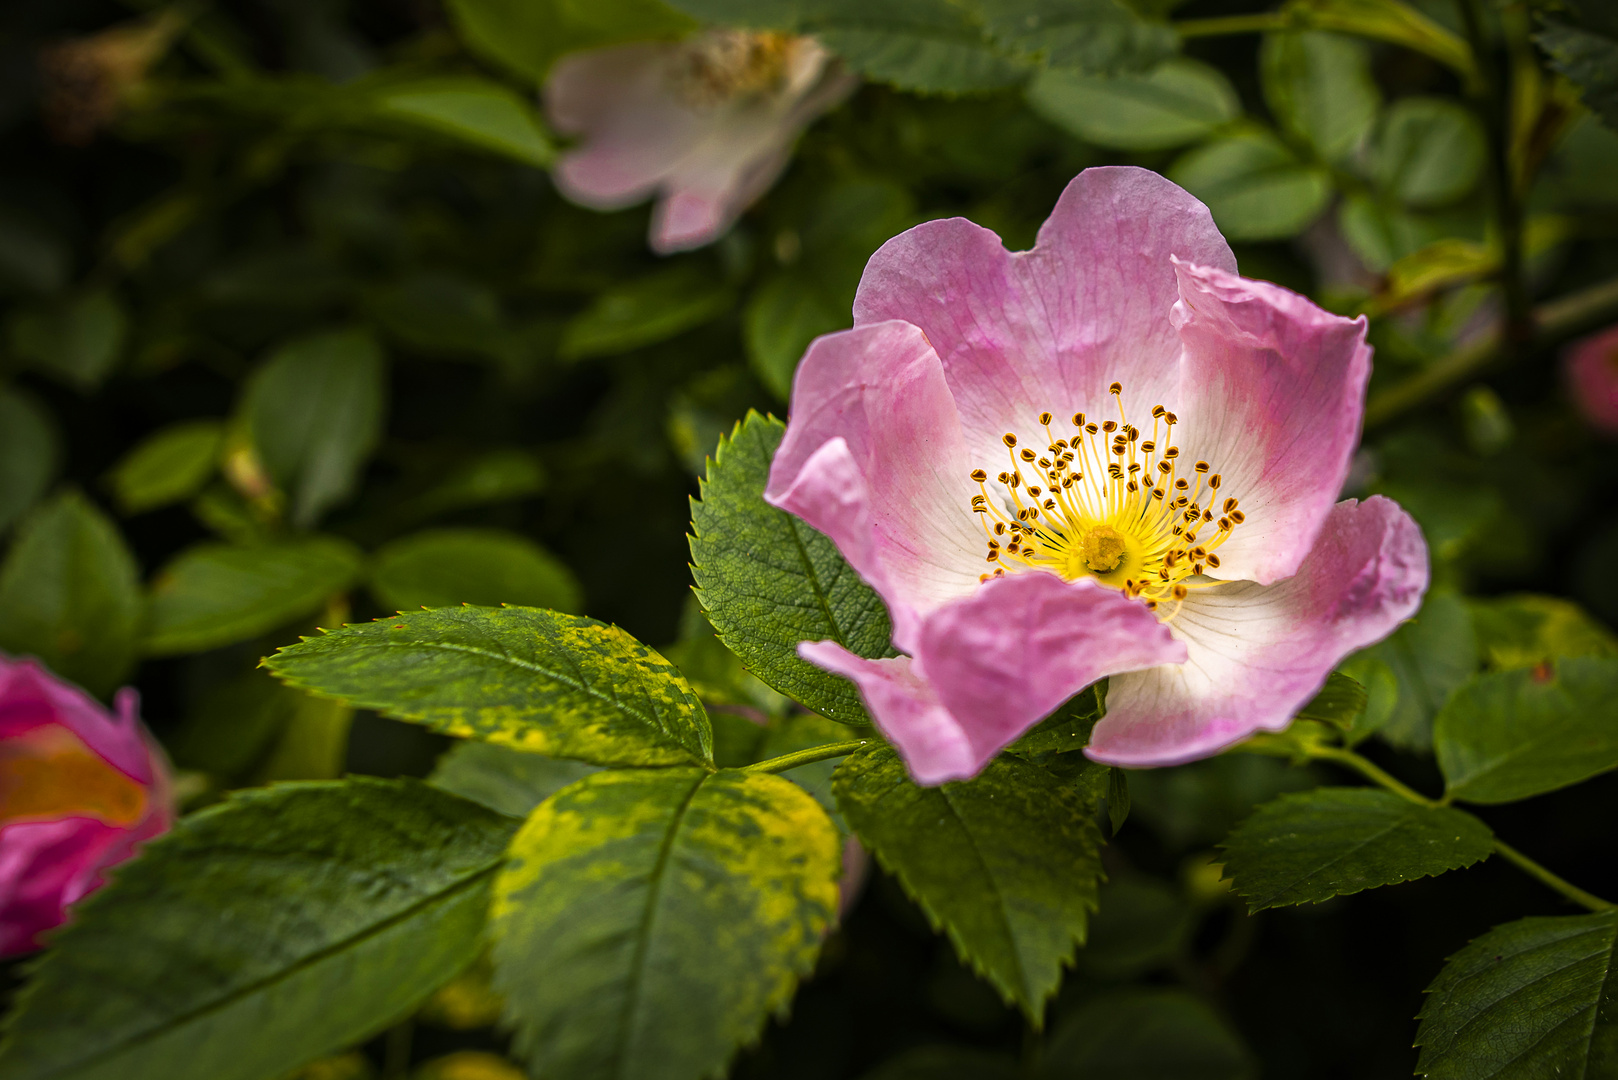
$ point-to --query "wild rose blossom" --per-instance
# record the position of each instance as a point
(79, 789)
(1106, 456)
(707, 124)
(1591, 365)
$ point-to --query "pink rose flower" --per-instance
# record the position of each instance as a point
(1592, 374)
(1106, 456)
(707, 124)
(79, 789)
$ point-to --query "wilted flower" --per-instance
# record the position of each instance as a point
(87, 80)
(79, 788)
(706, 123)
(1106, 456)
(1592, 374)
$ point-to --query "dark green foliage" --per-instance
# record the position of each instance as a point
(69, 594)
(1311, 846)
(623, 881)
(315, 411)
(767, 581)
(1145, 1035)
(1341, 701)
(1581, 39)
(28, 453)
(510, 781)
(170, 465)
(1514, 734)
(262, 933)
(1534, 998)
(218, 594)
(442, 567)
(536, 680)
(1006, 864)
(1069, 727)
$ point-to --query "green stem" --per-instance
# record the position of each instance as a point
(1377, 775)
(1493, 100)
(1545, 877)
(1554, 321)
(1234, 24)
(806, 757)
(1372, 772)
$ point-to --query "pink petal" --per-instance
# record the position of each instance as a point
(1053, 327)
(990, 666)
(42, 864)
(1271, 395)
(873, 459)
(905, 710)
(1258, 653)
(30, 697)
(1591, 366)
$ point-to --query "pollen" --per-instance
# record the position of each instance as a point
(1110, 501)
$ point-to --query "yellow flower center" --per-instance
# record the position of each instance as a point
(1108, 503)
(49, 772)
(722, 65)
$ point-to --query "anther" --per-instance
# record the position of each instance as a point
(1078, 419)
(979, 475)
(1027, 454)
(994, 556)
(1213, 560)
(1230, 504)
(1090, 429)
(1148, 446)
(1181, 484)
(1203, 466)
(1004, 478)
(1196, 568)
(1115, 389)
(1045, 462)
(1009, 439)
(1170, 419)
(1180, 592)
(1224, 526)
(999, 528)
(1157, 412)
(1171, 453)
(1049, 504)
(1237, 516)
(1044, 419)
(1213, 481)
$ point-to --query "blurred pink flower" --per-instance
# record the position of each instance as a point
(706, 124)
(1592, 374)
(1106, 456)
(79, 788)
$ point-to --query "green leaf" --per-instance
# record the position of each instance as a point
(784, 314)
(315, 413)
(716, 673)
(802, 732)
(1177, 102)
(510, 781)
(767, 581)
(218, 594)
(168, 465)
(1256, 187)
(1117, 799)
(1511, 735)
(1319, 86)
(1429, 658)
(1533, 998)
(1341, 701)
(1429, 151)
(1387, 20)
(441, 567)
(261, 934)
(29, 453)
(946, 1063)
(528, 36)
(536, 680)
(1141, 1034)
(682, 907)
(1585, 49)
(1101, 36)
(1006, 864)
(70, 594)
(1527, 630)
(1314, 845)
(78, 340)
(1069, 727)
(645, 311)
(478, 112)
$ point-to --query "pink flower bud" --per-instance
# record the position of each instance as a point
(1592, 374)
(79, 788)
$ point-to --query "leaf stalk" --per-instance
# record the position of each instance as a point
(806, 757)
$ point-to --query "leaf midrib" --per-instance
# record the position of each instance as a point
(314, 958)
(583, 687)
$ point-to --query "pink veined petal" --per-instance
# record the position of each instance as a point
(1591, 367)
(990, 666)
(1053, 327)
(1258, 653)
(1271, 395)
(30, 697)
(636, 132)
(873, 458)
(905, 710)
